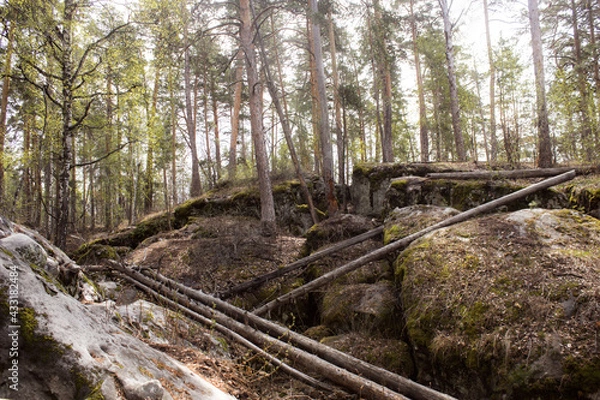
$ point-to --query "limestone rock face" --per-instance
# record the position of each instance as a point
(506, 306)
(60, 348)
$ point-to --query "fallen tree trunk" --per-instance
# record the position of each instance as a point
(514, 174)
(344, 378)
(403, 243)
(380, 375)
(294, 373)
(303, 262)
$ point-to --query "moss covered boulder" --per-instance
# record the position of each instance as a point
(402, 222)
(584, 194)
(370, 182)
(367, 308)
(466, 194)
(336, 229)
(393, 355)
(506, 306)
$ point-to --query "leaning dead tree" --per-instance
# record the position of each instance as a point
(337, 360)
(403, 243)
(344, 378)
(382, 376)
(303, 262)
(514, 174)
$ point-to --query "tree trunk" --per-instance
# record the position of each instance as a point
(583, 100)
(454, 104)
(381, 57)
(324, 131)
(281, 110)
(493, 137)
(65, 157)
(196, 185)
(545, 158)
(336, 101)
(4, 106)
(512, 174)
(267, 204)
(423, 128)
(404, 242)
(235, 115)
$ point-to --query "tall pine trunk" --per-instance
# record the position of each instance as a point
(493, 137)
(196, 185)
(235, 115)
(454, 104)
(583, 101)
(545, 159)
(4, 107)
(423, 128)
(324, 131)
(267, 204)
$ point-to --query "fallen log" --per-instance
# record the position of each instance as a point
(294, 373)
(344, 378)
(403, 243)
(380, 375)
(514, 174)
(303, 262)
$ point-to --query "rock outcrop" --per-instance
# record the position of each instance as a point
(60, 348)
(506, 306)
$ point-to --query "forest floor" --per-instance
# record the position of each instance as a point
(213, 254)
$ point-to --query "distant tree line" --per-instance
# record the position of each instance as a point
(108, 113)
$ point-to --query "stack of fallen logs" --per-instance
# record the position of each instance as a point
(259, 334)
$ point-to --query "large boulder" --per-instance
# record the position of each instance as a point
(506, 306)
(56, 347)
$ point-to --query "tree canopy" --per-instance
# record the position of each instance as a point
(111, 112)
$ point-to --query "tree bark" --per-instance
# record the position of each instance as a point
(66, 139)
(267, 204)
(324, 131)
(454, 104)
(403, 243)
(545, 158)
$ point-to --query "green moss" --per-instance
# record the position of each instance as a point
(44, 347)
(393, 233)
